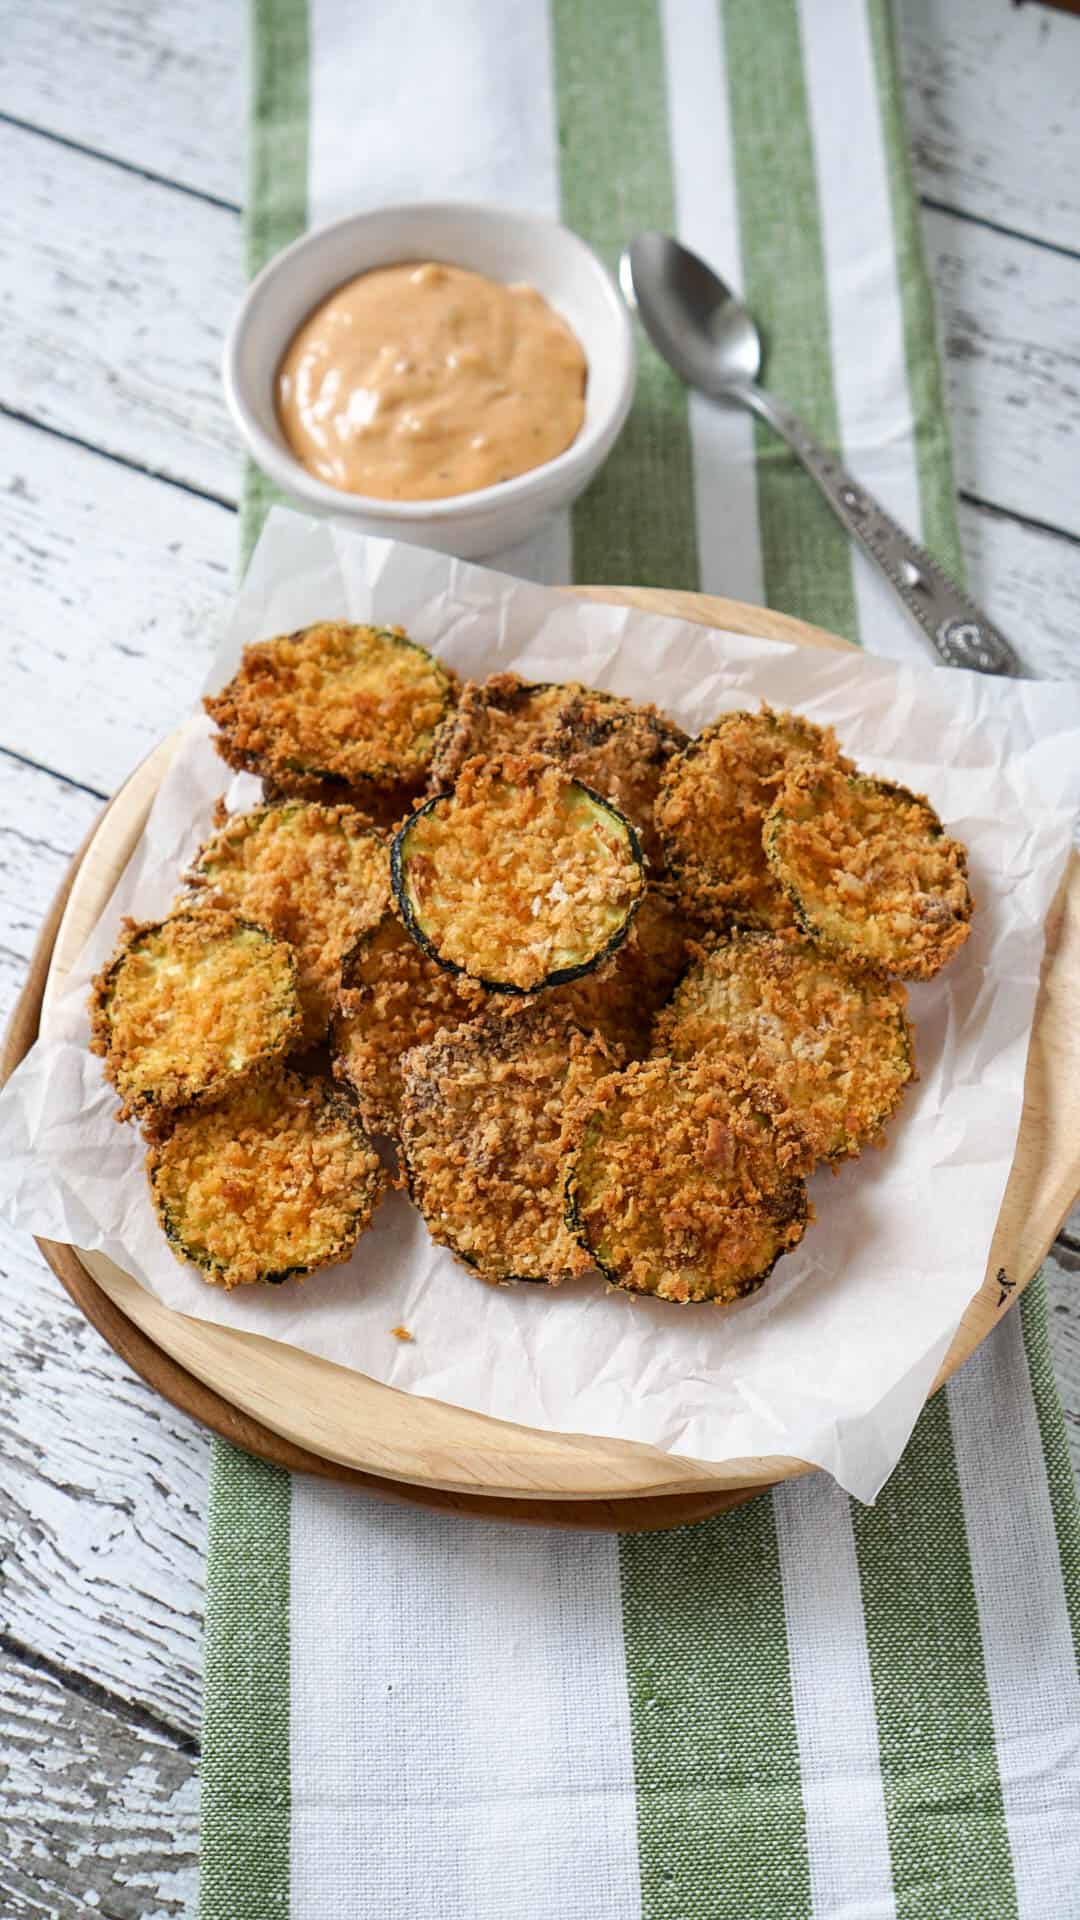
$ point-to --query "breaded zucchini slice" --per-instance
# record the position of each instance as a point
(312, 875)
(190, 1007)
(355, 707)
(870, 871)
(521, 877)
(711, 810)
(621, 999)
(500, 715)
(393, 997)
(677, 1183)
(620, 750)
(480, 1127)
(832, 1039)
(267, 1185)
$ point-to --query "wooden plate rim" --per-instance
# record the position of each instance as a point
(163, 1371)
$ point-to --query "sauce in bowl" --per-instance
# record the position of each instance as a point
(420, 381)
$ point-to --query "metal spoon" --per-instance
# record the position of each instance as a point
(710, 339)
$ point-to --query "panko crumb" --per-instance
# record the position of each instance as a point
(870, 871)
(711, 810)
(402, 1333)
(312, 875)
(481, 1127)
(519, 877)
(352, 705)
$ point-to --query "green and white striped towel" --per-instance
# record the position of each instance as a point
(804, 1708)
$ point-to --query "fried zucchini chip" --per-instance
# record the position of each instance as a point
(352, 707)
(832, 1039)
(870, 871)
(480, 1127)
(268, 1185)
(393, 997)
(678, 1184)
(521, 877)
(712, 805)
(621, 999)
(312, 875)
(503, 714)
(190, 1007)
(620, 750)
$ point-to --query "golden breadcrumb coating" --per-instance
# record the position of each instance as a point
(268, 1185)
(393, 997)
(191, 1006)
(830, 1038)
(480, 1126)
(675, 1182)
(622, 997)
(518, 877)
(712, 806)
(333, 702)
(870, 870)
(312, 875)
(503, 714)
(620, 750)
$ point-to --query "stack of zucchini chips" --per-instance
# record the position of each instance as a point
(603, 994)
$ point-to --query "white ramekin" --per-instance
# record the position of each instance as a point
(505, 246)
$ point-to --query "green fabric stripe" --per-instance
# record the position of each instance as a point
(635, 525)
(245, 1763)
(933, 450)
(721, 1829)
(277, 181)
(947, 1833)
(1059, 1471)
(806, 554)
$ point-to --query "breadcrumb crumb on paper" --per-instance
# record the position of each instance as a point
(403, 1334)
(831, 1361)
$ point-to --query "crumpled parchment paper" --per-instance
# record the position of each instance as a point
(831, 1362)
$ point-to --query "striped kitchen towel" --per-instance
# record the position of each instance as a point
(804, 1707)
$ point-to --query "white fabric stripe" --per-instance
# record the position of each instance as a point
(703, 164)
(1027, 1641)
(460, 1727)
(846, 1831)
(430, 103)
(865, 314)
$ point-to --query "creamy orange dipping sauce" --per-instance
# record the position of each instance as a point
(418, 381)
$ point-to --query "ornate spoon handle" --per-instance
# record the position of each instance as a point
(963, 636)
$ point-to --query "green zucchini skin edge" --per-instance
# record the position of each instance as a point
(276, 1276)
(560, 975)
(576, 1225)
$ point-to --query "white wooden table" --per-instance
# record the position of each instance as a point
(122, 129)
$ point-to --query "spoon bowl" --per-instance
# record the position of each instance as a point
(692, 317)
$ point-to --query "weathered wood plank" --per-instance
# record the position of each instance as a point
(117, 293)
(993, 109)
(156, 83)
(42, 822)
(1010, 315)
(1063, 1298)
(98, 1817)
(116, 583)
(1029, 582)
(102, 1504)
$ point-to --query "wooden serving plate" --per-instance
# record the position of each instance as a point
(311, 1416)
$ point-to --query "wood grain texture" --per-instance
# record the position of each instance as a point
(1029, 580)
(117, 291)
(1010, 318)
(99, 1816)
(120, 585)
(993, 108)
(153, 83)
(359, 1423)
